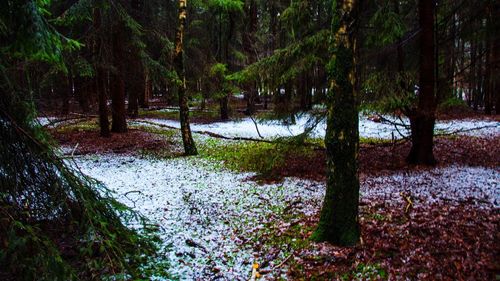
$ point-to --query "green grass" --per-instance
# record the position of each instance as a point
(89, 125)
(374, 141)
(258, 157)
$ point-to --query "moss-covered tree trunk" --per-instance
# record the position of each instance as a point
(423, 118)
(339, 216)
(187, 138)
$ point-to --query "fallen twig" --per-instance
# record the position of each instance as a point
(284, 261)
(78, 117)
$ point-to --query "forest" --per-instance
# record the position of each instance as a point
(249, 140)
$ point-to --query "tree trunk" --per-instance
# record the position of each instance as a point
(135, 81)
(118, 113)
(339, 215)
(423, 118)
(99, 82)
(488, 83)
(496, 68)
(249, 48)
(224, 107)
(82, 93)
(187, 138)
(147, 91)
(66, 95)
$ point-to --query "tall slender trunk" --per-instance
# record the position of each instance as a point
(135, 85)
(100, 84)
(99, 81)
(339, 215)
(249, 48)
(66, 95)
(472, 73)
(82, 93)
(147, 91)
(479, 98)
(118, 112)
(488, 83)
(187, 138)
(423, 118)
(496, 70)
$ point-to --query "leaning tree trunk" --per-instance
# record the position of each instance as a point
(118, 114)
(339, 216)
(187, 138)
(422, 119)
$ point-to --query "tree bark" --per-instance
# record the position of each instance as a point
(147, 91)
(118, 112)
(187, 138)
(488, 83)
(66, 96)
(99, 82)
(249, 48)
(135, 85)
(224, 107)
(423, 118)
(496, 68)
(339, 215)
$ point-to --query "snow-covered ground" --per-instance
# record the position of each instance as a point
(476, 185)
(367, 128)
(209, 214)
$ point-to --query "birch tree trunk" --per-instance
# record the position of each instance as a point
(187, 138)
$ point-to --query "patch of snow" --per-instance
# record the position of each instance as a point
(206, 214)
(443, 184)
(46, 120)
(367, 128)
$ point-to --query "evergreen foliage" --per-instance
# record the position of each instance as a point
(46, 204)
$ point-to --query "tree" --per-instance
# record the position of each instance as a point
(41, 195)
(118, 113)
(225, 12)
(187, 138)
(422, 119)
(339, 215)
(99, 80)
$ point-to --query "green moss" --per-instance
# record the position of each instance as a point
(453, 102)
(90, 125)
(259, 157)
(170, 134)
(374, 141)
(366, 272)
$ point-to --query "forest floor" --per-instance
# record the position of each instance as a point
(240, 203)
